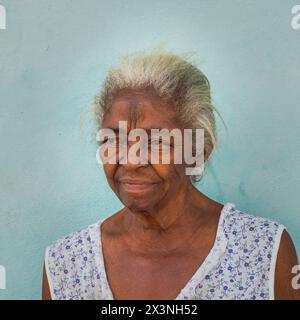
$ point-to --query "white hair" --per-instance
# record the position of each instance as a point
(175, 80)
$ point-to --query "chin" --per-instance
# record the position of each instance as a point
(137, 205)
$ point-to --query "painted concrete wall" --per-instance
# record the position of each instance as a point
(53, 59)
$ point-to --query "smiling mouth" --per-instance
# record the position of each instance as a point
(137, 186)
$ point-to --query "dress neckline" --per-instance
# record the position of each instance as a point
(211, 259)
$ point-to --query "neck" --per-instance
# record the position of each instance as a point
(160, 226)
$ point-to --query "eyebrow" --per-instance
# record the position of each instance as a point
(117, 131)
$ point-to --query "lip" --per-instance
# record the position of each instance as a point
(136, 181)
(133, 185)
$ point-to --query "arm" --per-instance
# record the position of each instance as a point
(286, 260)
(46, 290)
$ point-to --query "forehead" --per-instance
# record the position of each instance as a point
(143, 109)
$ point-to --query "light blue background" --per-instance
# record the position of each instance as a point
(53, 59)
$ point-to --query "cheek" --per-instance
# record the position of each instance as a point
(109, 170)
(170, 172)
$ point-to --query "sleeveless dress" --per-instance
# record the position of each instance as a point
(239, 266)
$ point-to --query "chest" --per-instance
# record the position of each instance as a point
(144, 277)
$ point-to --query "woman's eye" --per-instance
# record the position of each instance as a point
(109, 141)
(155, 141)
(160, 143)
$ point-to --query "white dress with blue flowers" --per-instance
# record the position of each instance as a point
(240, 265)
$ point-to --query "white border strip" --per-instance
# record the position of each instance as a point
(48, 274)
(273, 262)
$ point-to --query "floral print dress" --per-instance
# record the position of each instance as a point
(239, 266)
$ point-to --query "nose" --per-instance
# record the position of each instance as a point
(135, 156)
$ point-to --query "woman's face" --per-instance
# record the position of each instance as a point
(144, 186)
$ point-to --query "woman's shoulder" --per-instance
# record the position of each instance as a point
(75, 239)
(72, 262)
(235, 216)
(244, 227)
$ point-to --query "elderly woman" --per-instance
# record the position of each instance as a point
(170, 241)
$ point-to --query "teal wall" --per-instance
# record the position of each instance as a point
(53, 59)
